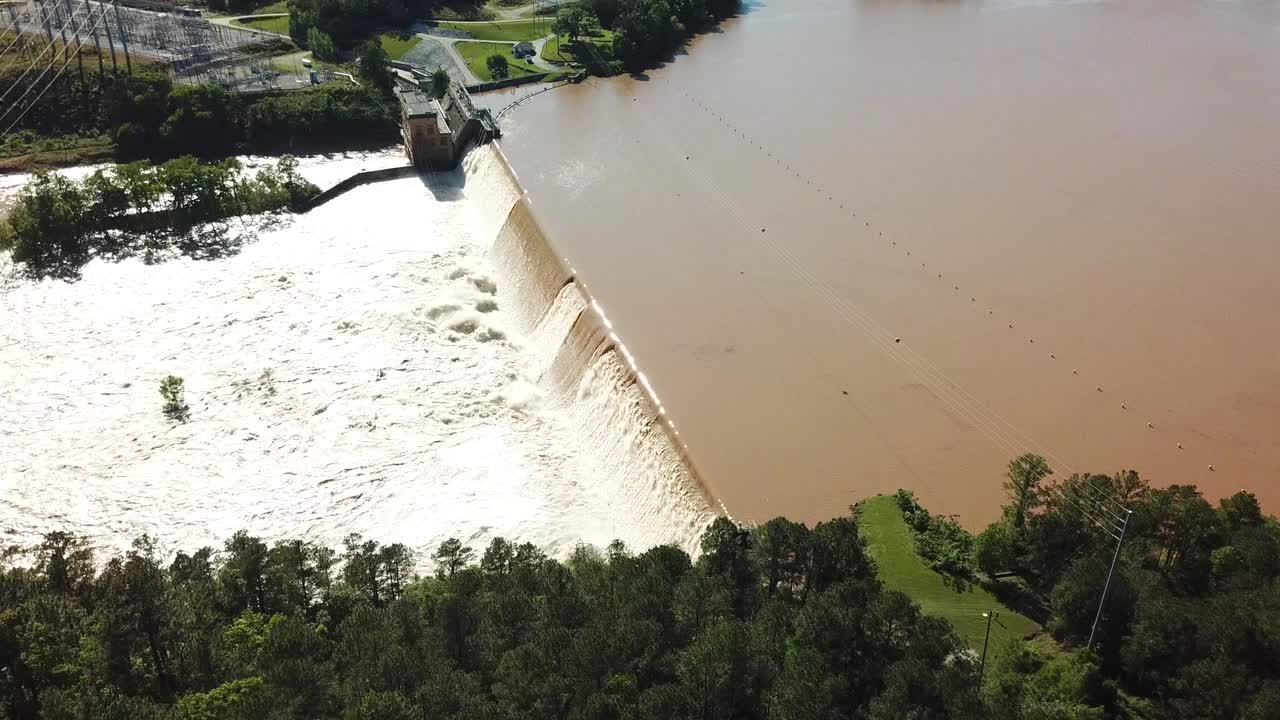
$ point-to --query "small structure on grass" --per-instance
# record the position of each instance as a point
(523, 50)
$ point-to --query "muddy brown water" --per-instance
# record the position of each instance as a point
(1066, 241)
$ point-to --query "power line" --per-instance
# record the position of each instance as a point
(30, 67)
(17, 26)
(50, 84)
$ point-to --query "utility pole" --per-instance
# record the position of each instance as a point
(44, 17)
(124, 36)
(1106, 587)
(93, 29)
(982, 666)
(106, 27)
(75, 29)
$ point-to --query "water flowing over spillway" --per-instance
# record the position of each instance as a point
(410, 362)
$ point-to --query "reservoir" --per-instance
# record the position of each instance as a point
(857, 246)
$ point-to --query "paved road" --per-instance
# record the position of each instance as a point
(230, 22)
(462, 64)
(432, 53)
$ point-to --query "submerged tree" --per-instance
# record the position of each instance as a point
(175, 401)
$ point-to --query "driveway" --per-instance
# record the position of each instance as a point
(434, 52)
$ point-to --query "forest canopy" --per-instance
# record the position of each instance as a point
(779, 620)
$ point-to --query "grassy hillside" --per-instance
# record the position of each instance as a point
(476, 53)
(272, 24)
(890, 544)
(397, 45)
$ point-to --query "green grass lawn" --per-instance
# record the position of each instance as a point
(275, 24)
(509, 30)
(476, 53)
(561, 50)
(890, 544)
(396, 46)
(282, 6)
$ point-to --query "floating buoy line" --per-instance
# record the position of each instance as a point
(988, 418)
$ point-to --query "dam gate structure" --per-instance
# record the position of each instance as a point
(436, 131)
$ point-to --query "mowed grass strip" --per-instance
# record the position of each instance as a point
(281, 6)
(397, 45)
(503, 30)
(273, 24)
(892, 546)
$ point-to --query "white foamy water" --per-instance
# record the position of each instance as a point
(361, 368)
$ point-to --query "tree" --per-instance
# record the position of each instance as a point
(1185, 528)
(1240, 511)
(993, 549)
(497, 65)
(1021, 684)
(46, 228)
(716, 672)
(451, 557)
(605, 10)
(379, 571)
(321, 45)
(199, 120)
(574, 21)
(297, 572)
(295, 662)
(375, 66)
(1022, 485)
(1075, 602)
(386, 706)
(726, 553)
(439, 82)
(243, 574)
(66, 561)
(724, 8)
(780, 551)
(838, 554)
(244, 699)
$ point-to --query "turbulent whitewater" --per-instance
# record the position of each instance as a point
(410, 362)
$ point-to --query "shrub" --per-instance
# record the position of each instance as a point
(947, 547)
(993, 549)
